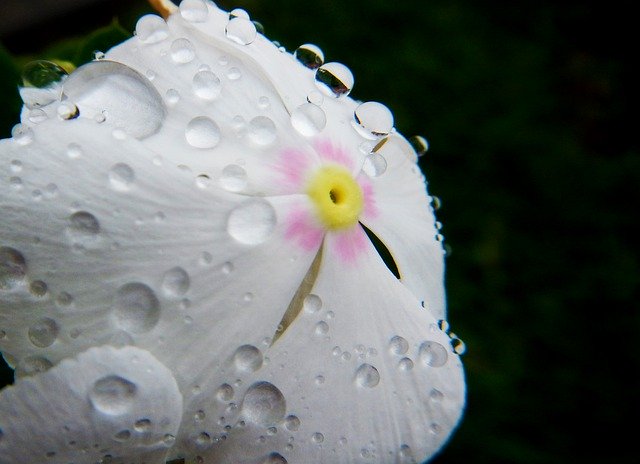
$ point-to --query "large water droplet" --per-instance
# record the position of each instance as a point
(373, 119)
(194, 11)
(308, 119)
(263, 404)
(252, 222)
(233, 178)
(113, 395)
(334, 79)
(83, 227)
(42, 74)
(44, 332)
(374, 165)
(206, 85)
(182, 51)
(433, 354)
(202, 132)
(248, 358)
(13, 268)
(151, 29)
(309, 55)
(241, 30)
(128, 99)
(136, 308)
(175, 281)
(367, 376)
(262, 131)
(398, 345)
(121, 176)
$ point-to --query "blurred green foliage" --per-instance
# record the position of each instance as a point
(528, 110)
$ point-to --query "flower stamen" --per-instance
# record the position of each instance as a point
(337, 197)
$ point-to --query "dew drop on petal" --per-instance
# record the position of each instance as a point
(241, 30)
(263, 404)
(262, 131)
(309, 55)
(252, 222)
(374, 165)
(13, 268)
(317, 437)
(194, 11)
(433, 354)
(312, 303)
(38, 288)
(321, 328)
(292, 423)
(239, 13)
(37, 115)
(334, 79)
(172, 96)
(367, 376)
(182, 51)
(151, 29)
(436, 395)
(233, 74)
(121, 176)
(42, 74)
(373, 119)
(136, 308)
(398, 345)
(22, 134)
(224, 392)
(67, 110)
(33, 365)
(233, 178)
(122, 435)
(113, 395)
(248, 358)
(206, 85)
(405, 364)
(83, 227)
(44, 332)
(175, 282)
(419, 144)
(275, 458)
(202, 132)
(308, 119)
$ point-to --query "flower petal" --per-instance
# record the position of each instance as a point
(362, 373)
(122, 403)
(405, 223)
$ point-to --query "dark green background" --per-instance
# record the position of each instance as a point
(530, 109)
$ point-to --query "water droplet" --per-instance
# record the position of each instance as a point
(113, 395)
(37, 115)
(292, 423)
(458, 345)
(203, 439)
(33, 365)
(309, 55)
(367, 376)
(247, 358)
(83, 227)
(241, 30)
(168, 439)
(67, 110)
(419, 144)
(202, 132)
(334, 79)
(275, 458)
(406, 452)
(308, 119)
(262, 131)
(322, 328)
(22, 134)
(121, 176)
(194, 11)
(182, 51)
(398, 345)
(263, 103)
(74, 151)
(233, 74)
(435, 429)
(315, 97)
(227, 268)
(436, 395)
(374, 165)
(263, 404)
(233, 178)
(38, 288)
(436, 202)
(172, 96)
(252, 222)
(225, 392)
(433, 354)
(239, 13)
(122, 435)
(312, 303)
(151, 29)
(405, 364)
(319, 380)
(42, 74)
(13, 268)
(136, 308)
(373, 119)
(175, 281)
(44, 332)
(317, 437)
(142, 425)
(206, 85)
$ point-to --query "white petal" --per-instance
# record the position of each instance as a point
(362, 373)
(406, 225)
(113, 402)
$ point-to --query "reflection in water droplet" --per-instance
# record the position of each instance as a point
(419, 144)
(367, 376)
(233, 178)
(309, 55)
(373, 119)
(206, 85)
(252, 222)
(308, 119)
(248, 358)
(334, 79)
(44, 332)
(263, 404)
(262, 131)
(136, 308)
(194, 11)
(175, 281)
(113, 395)
(433, 354)
(151, 29)
(182, 51)
(374, 165)
(241, 30)
(436, 395)
(398, 345)
(458, 345)
(121, 176)
(42, 74)
(67, 110)
(202, 132)
(13, 268)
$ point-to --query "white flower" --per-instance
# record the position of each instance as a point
(183, 270)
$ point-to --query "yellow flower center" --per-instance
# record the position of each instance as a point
(337, 197)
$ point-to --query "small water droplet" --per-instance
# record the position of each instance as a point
(44, 332)
(334, 79)
(233, 74)
(203, 439)
(194, 11)
(405, 364)
(292, 423)
(122, 435)
(151, 29)
(252, 222)
(374, 165)
(419, 144)
(121, 176)
(182, 51)
(239, 13)
(74, 151)
(202, 132)
(175, 282)
(206, 85)
(142, 425)
(13, 268)
(227, 268)
(319, 380)
(225, 392)
(263, 103)
(241, 30)
(37, 115)
(42, 74)
(308, 119)
(373, 119)
(263, 404)
(113, 395)
(309, 55)
(262, 131)
(67, 111)
(22, 134)
(435, 429)
(436, 202)
(315, 98)
(32, 365)
(83, 227)
(367, 376)
(136, 308)
(168, 439)
(317, 437)
(172, 96)
(233, 178)
(436, 395)
(247, 358)
(38, 288)
(433, 354)
(321, 329)
(275, 458)
(398, 345)
(458, 345)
